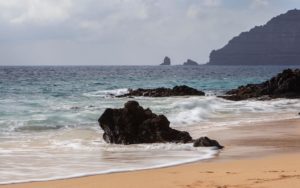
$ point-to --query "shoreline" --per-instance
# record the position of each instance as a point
(243, 144)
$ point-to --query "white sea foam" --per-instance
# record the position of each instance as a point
(64, 138)
(79, 152)
(216, 112)
(107, 93)
(61, 173)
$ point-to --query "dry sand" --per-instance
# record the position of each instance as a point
(257, 155)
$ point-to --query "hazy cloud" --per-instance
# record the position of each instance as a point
(34, 11)
(260, 3)
(212, 3)
(124, 31)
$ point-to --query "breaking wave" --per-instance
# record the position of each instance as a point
(107, 93)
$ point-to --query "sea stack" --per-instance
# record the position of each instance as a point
(275, 43)
(190, 62)
(167, 61)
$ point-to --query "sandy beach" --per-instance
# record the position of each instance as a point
(150, 94)
(257, 155)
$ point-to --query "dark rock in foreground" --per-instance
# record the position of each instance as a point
(164, 92)
(167, 61)
(206, 142)
(284, 85)
(135, 125)
(190, 62)
(275, 43)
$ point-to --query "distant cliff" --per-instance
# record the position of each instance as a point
(275, 43)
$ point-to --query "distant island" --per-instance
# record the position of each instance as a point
(167, 61)
(275, 43)
(190, 62)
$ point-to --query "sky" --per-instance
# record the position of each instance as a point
(125, 32)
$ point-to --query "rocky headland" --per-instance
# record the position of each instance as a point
(182, 90)
(135, 125)
(275, 43)
(284, 85)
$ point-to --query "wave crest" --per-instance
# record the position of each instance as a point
(107, 93)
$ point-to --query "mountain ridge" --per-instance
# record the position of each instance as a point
(275, 43)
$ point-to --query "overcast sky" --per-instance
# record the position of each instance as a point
(125, 32)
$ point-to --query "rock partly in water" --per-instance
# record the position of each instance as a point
(206, 142)
(164, 92)
(275, 43)
(167, 61)
(284, 85)
(135, 125)
(190, 62)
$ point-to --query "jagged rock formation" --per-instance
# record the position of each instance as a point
(167, 61)
(275, 43)
(190, 63)
(284, 85)
(164, 92)
(135, 125)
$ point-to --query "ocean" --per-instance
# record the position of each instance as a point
(48, 116)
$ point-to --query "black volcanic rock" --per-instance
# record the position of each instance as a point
(190, 62)
(167, 61)
(164, 92)
(135, 125)
(275, 43)
(206, 142)
(284, 85)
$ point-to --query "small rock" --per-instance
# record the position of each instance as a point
(206, 142)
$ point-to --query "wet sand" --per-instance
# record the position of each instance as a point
(257, 155)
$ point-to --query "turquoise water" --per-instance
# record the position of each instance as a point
(48, 116)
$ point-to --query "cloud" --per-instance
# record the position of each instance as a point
(212, 3)
(124, 31)
(34, 11)
(260, 3)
